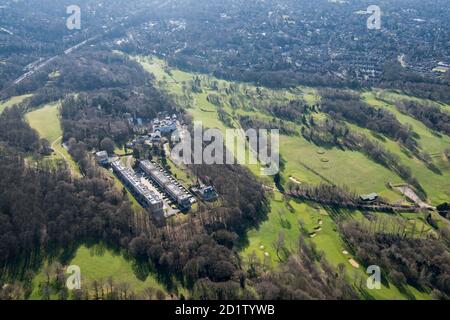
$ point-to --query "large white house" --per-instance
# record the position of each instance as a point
(167, 125)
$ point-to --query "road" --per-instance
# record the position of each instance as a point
(57, 151)
(41, 62)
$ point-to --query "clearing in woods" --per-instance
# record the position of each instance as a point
(46, 121)
(12, 101)
(99, 263)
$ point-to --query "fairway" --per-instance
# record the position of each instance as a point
(437, 185)
(46, 121)
(99, 263)
(340, 167)
(308, 163)
(12, 101)
(302, 160)
(262, 241)
(201, 109)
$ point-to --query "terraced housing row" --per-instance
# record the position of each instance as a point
(146, 197)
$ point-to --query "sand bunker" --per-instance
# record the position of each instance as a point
(295, 180)
(353, 263)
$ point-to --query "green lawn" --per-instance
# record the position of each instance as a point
(202, 110)
(306, 163)
(46, 121)
(12, 101)
(328, 240)
(99, 263)
(436, 185)
(363, 175)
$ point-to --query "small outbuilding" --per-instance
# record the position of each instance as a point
(102, 157)
(369, 197)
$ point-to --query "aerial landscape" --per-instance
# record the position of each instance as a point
(179, 150)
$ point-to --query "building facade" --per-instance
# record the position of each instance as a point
(167, 183)
(147, 198)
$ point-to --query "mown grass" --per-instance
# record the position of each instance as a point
(342, 167)
(99, 263)
(46, 121)
(285, 219)
(437, 185)
(12, 101)
(202, 110)
(306, 163)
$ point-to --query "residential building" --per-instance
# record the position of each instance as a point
(166, 182)
(206, 193)
(102, 157)
(146, 198)
(165, 126)
(369, 197)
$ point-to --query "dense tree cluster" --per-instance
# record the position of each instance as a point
(324, 193)
(60, 211)
(332, 133)
(351, 108)
(244, 201)
(16, 133)
(307, 275)
(422, 263)
(198, 251)
(444, 210)
(111, 89)
(415, 84)
(43, 209)
(248, 122)
(294, 110)
(431, 115)
(92, 117)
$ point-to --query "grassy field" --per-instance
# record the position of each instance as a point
(310, 164)
(436, 185)
(99, 263)
(12, 101)
(46, 122)
(201, 109)
(285, 219)
(304, 163)
(96, 263)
